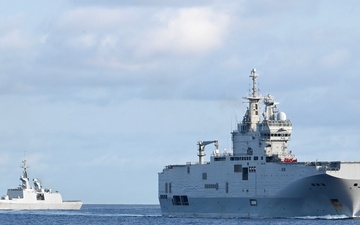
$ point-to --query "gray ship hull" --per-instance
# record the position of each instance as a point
(13, 205)
(260, 176)
(318, 195)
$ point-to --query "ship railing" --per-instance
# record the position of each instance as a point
(325, 165)
(184, 165)
(169, 167)
(72, 201)
(196, 163)
(277, 123)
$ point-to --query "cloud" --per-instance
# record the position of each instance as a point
(14, 40)
(186, 31)
(335, 59)
(131, 49)
(99, 18)
(136, 32)
(84, 41)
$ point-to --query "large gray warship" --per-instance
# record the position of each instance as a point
(261, 177)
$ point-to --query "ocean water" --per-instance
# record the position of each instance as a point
(143, 214)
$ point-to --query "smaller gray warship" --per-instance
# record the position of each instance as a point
(26, 197)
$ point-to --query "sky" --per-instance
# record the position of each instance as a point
(99, 96)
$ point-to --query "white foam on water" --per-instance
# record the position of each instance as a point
(325, 217)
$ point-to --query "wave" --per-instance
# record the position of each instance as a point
(78, 213)
(325, 217)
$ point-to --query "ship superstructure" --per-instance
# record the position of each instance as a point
(261, 177)
(26, 197)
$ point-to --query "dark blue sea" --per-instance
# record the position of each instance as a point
(142, 214)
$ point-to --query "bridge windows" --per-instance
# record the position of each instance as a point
(239, 158)
(219, 158)
(267, 135)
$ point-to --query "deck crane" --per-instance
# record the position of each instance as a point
(202, 145)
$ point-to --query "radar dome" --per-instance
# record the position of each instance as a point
(281, 116)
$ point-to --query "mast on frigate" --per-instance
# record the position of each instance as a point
(24, 178)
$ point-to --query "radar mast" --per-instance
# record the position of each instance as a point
(252, 118)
